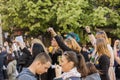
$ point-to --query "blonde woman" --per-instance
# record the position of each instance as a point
(72, 44)
(103, 58)
(102, 34)
(69, 45)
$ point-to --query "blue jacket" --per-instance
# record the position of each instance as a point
(26, 74)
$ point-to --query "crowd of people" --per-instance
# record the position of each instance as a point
(64, 59)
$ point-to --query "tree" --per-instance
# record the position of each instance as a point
(63, 15)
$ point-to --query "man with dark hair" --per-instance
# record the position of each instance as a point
(40, 65)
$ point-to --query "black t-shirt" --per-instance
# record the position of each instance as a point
(103, 66)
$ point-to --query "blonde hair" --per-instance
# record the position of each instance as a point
(101, 46)
(40, 42)
(102, 34)
(72, 44)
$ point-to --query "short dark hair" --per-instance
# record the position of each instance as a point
(43, 58)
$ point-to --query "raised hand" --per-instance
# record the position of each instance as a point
(58, 70)
(51, 30)
(87, 28)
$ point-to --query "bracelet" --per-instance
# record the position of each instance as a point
(89, 33)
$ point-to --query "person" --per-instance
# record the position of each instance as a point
(69, 63)
(55, 53)
(116, 48)
(103, 58)
(93, 73)
(102, 34)
(70, 43)
(117, 58)
(1, 64)
(27, 57)
(85, 53)
(11, 68)
(39, 66)
(73, 35)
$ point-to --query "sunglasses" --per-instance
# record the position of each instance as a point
(101, 32)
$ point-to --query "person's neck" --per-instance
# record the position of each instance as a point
(32, 69)
(56, 47)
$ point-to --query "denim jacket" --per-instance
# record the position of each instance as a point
(71, 78)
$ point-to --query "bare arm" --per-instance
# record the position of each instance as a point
(112, 55)
(117, 58)
(90, 35)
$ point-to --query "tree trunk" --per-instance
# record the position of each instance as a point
(1, 36)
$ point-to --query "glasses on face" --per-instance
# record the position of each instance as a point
(100, 32)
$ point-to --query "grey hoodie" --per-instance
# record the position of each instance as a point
(26, 74)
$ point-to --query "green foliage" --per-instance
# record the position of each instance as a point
(68, 13)
(64, 15)
(116, 32)
(26, 13)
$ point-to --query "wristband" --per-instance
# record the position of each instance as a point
(89, 33)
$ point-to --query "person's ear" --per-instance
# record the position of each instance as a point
(38, 63)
